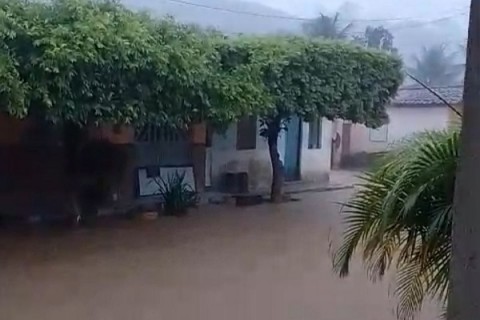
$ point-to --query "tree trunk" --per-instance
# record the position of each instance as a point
(464, 295)
(277, 165)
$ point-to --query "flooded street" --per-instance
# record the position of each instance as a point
(218, 263)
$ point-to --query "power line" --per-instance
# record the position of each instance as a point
(454, 86)
(418, 24)
(256, 14)
(432, 91)
(422, 23)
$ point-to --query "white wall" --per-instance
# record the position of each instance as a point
(314, 165)
(404, 121)
(226, 158)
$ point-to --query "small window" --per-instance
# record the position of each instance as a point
(315, 134)
(379, 135)
(247, 133)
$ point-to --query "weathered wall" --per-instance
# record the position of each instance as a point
(32, 180)
(32, 170)
(35, 175)
(11, 130)
(115, 134)
(314, 164)
(404, 121)
(226, 158)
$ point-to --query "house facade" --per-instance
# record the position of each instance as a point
(31, 168)
(39, 161)
(36, 157)
(304, 148)
(42, 165)
(413, 110)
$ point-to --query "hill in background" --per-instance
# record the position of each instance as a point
(223, 20)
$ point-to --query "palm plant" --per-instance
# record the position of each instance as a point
(401, 219)
(327, 27)
(436, 67)
(178, 196)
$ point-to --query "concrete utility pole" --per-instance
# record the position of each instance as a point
(464, 298)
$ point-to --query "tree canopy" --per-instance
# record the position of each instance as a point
(90, 61)
(322, 78)
(435, 66)
(87, 61)
(327, 27)
(313, 79)
(378, 38)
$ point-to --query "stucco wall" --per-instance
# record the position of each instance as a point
(226, 158)
(314, 164)
(404, 121)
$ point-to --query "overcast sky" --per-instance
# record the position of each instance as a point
(375, 8)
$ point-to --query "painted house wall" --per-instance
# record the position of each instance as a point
(226, 158)
(314, 163)
(404, 121)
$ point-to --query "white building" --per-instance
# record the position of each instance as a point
(305, 150)
(413, 110)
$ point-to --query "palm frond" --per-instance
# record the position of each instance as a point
(401, 218)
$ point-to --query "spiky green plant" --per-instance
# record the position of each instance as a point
(401, 218)
(178, 196)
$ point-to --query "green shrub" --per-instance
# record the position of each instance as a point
(178, 196)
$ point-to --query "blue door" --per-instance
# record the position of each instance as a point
(292, 150)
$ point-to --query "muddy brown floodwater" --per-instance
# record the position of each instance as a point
(269, 262)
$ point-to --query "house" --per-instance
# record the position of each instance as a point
(42, 165)
(304, 148)
(36, 175)
(40, 168)
(413, 110)
(32, 168)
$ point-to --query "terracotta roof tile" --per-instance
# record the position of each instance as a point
(421, 96)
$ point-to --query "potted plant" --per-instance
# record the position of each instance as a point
(177, 195)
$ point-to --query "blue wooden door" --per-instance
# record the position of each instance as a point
(292, 150)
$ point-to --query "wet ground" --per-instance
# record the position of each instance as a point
(269, 262)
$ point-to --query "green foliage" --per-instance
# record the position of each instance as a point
(436, 67)
(320, 78)
(377, 38)
(178, 196)
(88, 61)
(315, 78)
(401, 218)
(12, 89)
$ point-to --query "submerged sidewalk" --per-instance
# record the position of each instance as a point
(339, 180)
